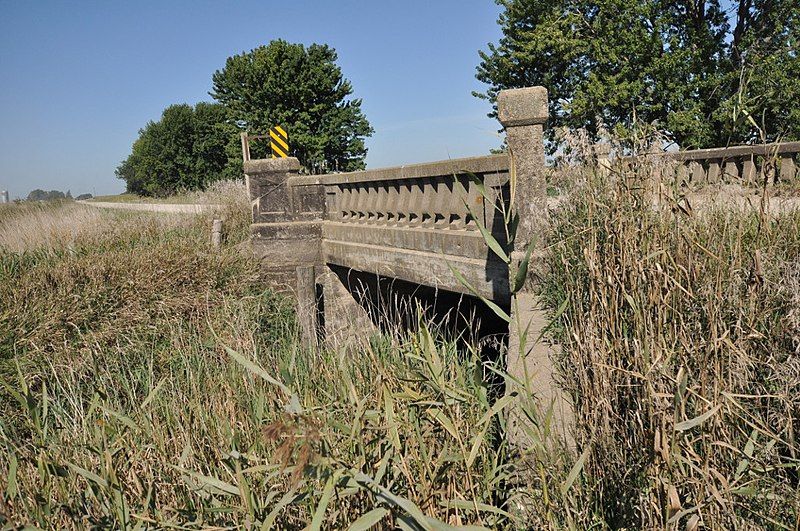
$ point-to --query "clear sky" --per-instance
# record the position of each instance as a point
(79, 79)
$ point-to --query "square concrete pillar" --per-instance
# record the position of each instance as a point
(523, 113)
(285, 234)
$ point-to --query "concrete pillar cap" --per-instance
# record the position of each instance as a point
(271, 165)
(523, 106)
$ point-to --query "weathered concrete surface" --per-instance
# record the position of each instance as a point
(347, 321)
(286, 234)
(749, 164)
(523, 113)
(307, 304)
(418, 223)
(452, 167)
(522, 107)
(344, 234)
(283, 246)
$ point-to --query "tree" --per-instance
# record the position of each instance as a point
(187, 149)
(303, 90)
(679, 64)
(52, 195)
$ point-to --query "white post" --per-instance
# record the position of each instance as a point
(216, 233)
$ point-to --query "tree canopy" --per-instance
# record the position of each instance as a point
(299, 88)
(52, 195)
(705, 76)
(187, 149)
(303, 90)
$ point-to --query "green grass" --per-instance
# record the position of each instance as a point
(139, 372)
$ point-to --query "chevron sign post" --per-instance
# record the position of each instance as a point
(279, 142)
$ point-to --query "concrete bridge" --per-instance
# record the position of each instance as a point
(413, 223)
(342, 242)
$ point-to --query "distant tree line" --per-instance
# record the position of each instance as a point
(299, 88)
(706, 72)
(54, 195)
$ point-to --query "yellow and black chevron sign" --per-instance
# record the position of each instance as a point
(279, 141)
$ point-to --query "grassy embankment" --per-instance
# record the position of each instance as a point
(217, 193)
(152, 381)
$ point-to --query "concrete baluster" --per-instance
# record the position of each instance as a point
(788, 167)
(749, 174)
(731, 170)
(713, 175)
(698, 172)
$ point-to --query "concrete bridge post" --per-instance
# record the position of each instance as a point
(287, 232)
(523, 113)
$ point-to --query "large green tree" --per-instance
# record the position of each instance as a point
(696, 69)
(187, 149)
(303, 90)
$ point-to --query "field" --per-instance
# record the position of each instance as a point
(151, 381)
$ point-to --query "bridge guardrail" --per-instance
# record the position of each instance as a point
(776, 162)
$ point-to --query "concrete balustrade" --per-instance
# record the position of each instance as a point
(773, 163)
(329, 239)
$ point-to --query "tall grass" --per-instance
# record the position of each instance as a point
(151, 381)
(52, 224)
(680, 350)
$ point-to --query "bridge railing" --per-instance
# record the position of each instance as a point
(318, 236)
(415, 222)
(775, 163)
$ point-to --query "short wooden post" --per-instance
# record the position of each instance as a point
(216, 233)
(306, 293)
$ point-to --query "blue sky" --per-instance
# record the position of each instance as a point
(78, 79)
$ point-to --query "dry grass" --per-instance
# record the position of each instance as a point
(52, 225)
(139, 387)
(680, 353)
(151, 381)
